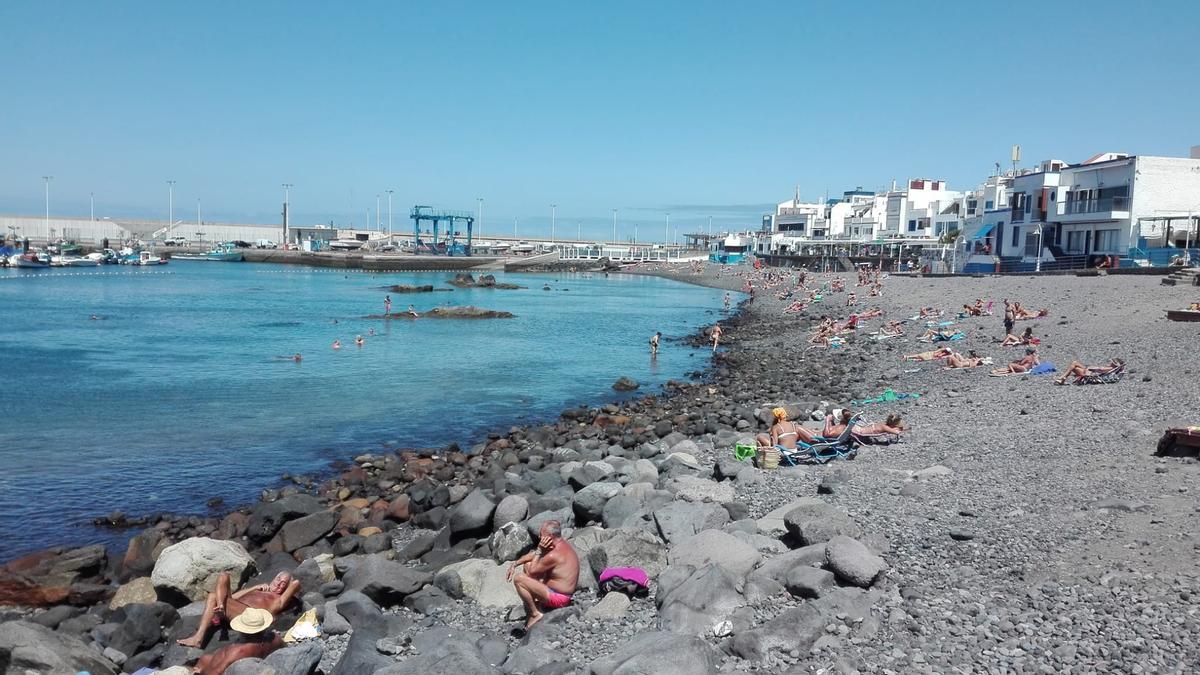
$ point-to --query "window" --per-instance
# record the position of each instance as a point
(1075, 242)
(1106, 241)
(912, 225)
(988, 205)
(1016, 236)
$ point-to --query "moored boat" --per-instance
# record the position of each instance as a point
(226, 252)
(29, 260)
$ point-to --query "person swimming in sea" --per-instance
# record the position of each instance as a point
(337, 344)
(413, 312)
(358, 340)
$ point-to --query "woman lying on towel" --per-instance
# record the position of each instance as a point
(796, 306)
(930, 313)
(1022, 365)
(956, 360)
(1078, 370)
(892, 329)
(1022, 313)
(835, 424)
(931, 355)
(1026, 338)
(871, 313)
(937, 335)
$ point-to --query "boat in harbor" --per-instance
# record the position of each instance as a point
(72, 261)
(142, 258)
(226, 252)
(346, 244)
(105, 257)
(30, 260)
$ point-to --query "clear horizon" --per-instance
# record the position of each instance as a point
(688, 108)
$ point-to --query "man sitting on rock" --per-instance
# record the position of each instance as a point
(221, 608)
(257, 642)
(550, 574)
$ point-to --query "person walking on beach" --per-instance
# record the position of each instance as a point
(716, 336)
(387, 305)
(1010, 317)
(727, 301)
(654, 343)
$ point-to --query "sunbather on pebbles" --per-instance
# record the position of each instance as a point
(784, 434)
(956, 360)
(931, 355)
(1078, 370)
(1026, 338)
(835, 424)
(1022, 365)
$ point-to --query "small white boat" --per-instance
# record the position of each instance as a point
(522, 247)
(346, 244)
(147, 258)
(30, 260)
(72, 261)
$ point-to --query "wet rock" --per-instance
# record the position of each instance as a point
(625, 384)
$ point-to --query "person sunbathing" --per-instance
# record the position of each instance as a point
(931, 355)
(1021, 365)
(892, 425)
(784, 434)
(836, 422)
(871, 313)
(930, 313)
(956, 360)
(1020, 312)
(1078, 370)
(850, 324)
(936, 335)
(796, 306)
(221, 607)
(892, 329)
(258, 641)
(1026, 338)
(851, 299)
(876, 290)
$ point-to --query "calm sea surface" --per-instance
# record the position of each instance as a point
(184, 389)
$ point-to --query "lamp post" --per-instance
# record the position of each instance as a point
(46, 181)
(92, 202)
(1038, 268)
(553, 213)
(480, 218)
(390, 215)
(578, 230)
(378, 224)
(170, 204)
(614, 226)
(287, 208)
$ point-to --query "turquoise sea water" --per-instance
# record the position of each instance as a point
(181, 392)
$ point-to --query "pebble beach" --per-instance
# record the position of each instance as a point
(1018, 526)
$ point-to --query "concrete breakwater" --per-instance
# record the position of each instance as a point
(395, 263)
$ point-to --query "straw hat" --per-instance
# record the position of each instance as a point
(252, 621)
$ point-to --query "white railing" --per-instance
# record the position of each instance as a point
(630, 254)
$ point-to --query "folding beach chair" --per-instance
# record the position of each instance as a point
(1110, 377)
(842, 447)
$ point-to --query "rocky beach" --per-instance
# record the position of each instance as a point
(1018, 526)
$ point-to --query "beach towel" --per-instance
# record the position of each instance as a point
(305, 627)
(953, 337)
(888, 396)
(1043, 368)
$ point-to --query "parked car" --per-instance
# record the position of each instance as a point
(265, 243)
(176, 241)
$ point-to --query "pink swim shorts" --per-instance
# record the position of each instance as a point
(556, 600)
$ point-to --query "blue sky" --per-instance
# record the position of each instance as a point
(697, 108)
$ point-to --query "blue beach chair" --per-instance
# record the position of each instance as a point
(842, 447)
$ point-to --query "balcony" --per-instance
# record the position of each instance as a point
(1107, 208)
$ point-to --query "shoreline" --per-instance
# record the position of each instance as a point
(957, 508)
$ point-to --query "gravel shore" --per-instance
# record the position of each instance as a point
(1019, 526)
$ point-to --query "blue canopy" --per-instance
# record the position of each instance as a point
(985, 231)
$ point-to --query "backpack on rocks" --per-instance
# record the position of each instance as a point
(631, 581)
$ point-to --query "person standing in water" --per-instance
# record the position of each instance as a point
(716, 336)
(654, 343)
(727, 301)
(387, 305)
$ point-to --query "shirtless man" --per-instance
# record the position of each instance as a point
(258, 641)
(654, 343)
(550, 574)
(221, 607)
(1022, 365)
(716, 336)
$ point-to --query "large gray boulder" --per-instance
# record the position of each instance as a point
(717, 548)
(385, 581)
(510, 542)
(852, 562)
(779, 566)
(772, 523)
(565, 516)
(660, 653)
(511, 509)
(191, 567)
(589, 501)
(301, 659)
(301, 532)
(809, 582)
(702, 601)
(679, 520)
(481, 580)
(629, 548)
(141, 626)
(28, 647)
(621, 511)
(472, 513)
(266, 518)
(818, 523)
(796, 629)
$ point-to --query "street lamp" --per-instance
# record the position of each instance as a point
(389, 216)
(46, 180)
(553, 211)
(170, 204)
(377, 221)
(287, 194)
(480, 218)
(1039, 248)
(614, 226)
(667, 236)
(92, 201)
